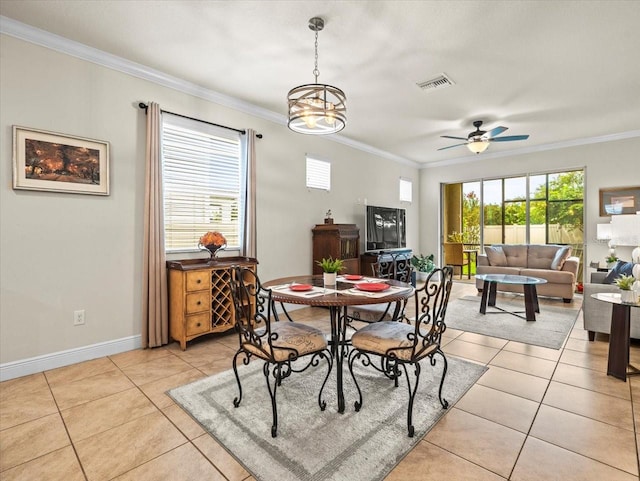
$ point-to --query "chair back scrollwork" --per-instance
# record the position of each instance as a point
(278, 344)
(393, 266)
(254, 313)
(402, 344)
(430, 309)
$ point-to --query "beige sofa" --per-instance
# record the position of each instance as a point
(550, 262)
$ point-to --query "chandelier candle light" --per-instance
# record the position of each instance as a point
(316, 109)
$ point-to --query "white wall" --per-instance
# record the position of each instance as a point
(62, 252)
(607, 164)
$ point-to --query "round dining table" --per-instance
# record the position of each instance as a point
(337, 298)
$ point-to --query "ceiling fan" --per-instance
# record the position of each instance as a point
(478, 140)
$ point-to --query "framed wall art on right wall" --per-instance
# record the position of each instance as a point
(619, 200)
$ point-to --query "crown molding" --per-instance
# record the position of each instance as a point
(60, 44)
(13, 28)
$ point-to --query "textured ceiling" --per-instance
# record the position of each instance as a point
(563, 71)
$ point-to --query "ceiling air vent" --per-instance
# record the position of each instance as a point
(440, 82)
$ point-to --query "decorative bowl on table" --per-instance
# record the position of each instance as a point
(213, 249)
(212, 242)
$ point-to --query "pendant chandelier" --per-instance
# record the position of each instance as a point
(316, 109)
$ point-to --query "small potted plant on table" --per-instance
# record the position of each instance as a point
(330, 268)
(423, 265)
(611, 260)
(625, 283)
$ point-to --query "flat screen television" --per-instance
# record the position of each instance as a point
(385, 228)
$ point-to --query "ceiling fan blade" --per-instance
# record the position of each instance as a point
(450, 146)
(452, 137)
(509, 138)
(495, 131)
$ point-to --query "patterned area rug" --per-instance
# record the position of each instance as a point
(314, 445)
(550, 329)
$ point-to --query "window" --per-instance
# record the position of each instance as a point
(203, 178)
(532, 208)
(318, 174)
(538, 209)
(406, 187)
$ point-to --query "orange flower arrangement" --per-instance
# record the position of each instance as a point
(213, 238)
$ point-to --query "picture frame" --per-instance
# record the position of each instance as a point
(55, 162)
(619, 200)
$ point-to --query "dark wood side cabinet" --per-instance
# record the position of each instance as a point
(340, 241)
(200, 297)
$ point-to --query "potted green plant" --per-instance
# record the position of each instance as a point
(330, 268)
(625, 283)
(423, 265)
(611, 259)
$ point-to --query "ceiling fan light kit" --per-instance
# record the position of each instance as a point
(316, 109)
(478, 141)
(478, 146)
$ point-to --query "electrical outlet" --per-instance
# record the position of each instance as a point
(78, 317)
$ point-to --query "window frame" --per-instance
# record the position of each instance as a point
(408, 185)
(314, 167)
(224, 144)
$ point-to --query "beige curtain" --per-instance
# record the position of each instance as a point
(155, 316)
(249, 244)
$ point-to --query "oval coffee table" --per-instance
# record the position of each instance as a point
(529, 284)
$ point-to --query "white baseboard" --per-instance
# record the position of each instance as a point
(23, 367)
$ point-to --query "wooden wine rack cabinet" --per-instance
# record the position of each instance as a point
(200, 296)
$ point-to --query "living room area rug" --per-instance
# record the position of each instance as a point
(550, 329)
(314, 445)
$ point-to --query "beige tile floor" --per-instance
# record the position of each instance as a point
(536, 414)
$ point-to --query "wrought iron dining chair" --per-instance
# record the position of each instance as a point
(402, 344)
(397, 267)
(278, 344)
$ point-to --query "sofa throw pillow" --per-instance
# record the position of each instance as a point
(561, 256)
(541, 256)
(619, 269)
(516, 254)
(496, 256)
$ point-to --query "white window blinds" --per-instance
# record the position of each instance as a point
(318, 174)
(202, 182)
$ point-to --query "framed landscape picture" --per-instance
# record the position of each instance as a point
(56, 162)
(621, 200)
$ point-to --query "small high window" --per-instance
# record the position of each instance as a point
(318, 174)
(406, 188)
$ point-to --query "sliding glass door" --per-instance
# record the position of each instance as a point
(527, 209)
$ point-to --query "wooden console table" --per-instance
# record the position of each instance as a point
(200, 297)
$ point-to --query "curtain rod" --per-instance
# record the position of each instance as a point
(145, 107)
